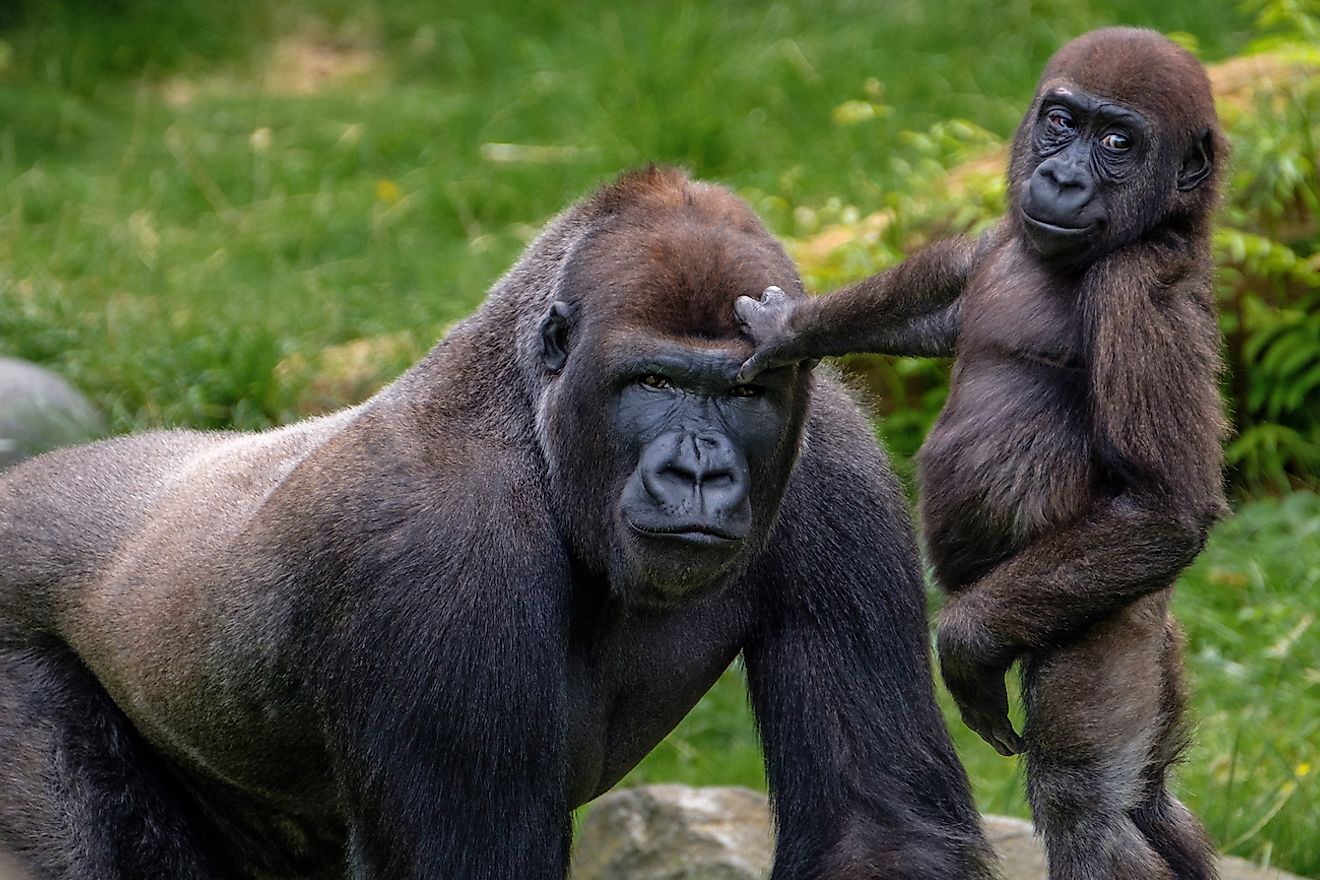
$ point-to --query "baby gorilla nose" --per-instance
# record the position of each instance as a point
(697, 485)
(1059, 192)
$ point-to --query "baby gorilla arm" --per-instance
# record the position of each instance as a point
(1050, 591)
(912, 309)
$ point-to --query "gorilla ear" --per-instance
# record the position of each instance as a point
(554, 336)
(1198, 162)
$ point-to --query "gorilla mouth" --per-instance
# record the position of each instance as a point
(689, 533)
(1061, 231)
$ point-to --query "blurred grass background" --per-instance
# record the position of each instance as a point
(223, 214)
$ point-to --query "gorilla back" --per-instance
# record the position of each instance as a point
(406, 639)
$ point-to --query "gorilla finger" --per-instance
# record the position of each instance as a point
(751, 368)
(1006, 740)
(772, 293)
(998, 732)
(744, 307)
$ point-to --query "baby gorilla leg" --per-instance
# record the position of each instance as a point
(81, 797)
(1098, 721)
(1170, 827)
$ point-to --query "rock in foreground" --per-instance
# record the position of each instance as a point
(673, 832)
(39, 411)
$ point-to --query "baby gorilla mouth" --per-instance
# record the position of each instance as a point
(1057, 229)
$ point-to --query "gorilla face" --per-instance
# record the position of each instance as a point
(698, 445)
(667, 469)
(1122, 140)
(679, 469)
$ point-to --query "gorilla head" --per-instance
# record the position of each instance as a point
(685, 467)
(1121, 138)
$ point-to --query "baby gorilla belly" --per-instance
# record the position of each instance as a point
(1007, 461)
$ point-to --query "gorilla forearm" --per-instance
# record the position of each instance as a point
(453, 765)
(909, 309)
(1067, 581)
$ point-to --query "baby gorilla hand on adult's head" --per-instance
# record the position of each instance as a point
(768, 322)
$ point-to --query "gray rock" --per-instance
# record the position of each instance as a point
(672, 832)
(39, 411)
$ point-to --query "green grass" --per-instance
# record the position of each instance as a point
(183, 227)
(1253, 774)
(165, 238)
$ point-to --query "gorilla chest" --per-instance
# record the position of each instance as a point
(1015, 308)
(1011, 455)
(632, 682)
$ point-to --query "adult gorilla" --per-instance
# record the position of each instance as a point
(406, 639)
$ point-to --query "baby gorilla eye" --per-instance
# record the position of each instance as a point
(1117, 141)
(1060, 120)
(651, 380)
(745, 391)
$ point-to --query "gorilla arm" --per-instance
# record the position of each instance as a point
(862, 773)
(1152, 360)
(451, 746)
(911, 309)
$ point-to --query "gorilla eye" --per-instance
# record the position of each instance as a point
(651, 380)
(745, 391)
(1060, 120)
(1116, 141)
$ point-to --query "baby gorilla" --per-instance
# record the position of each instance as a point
(1075, 468)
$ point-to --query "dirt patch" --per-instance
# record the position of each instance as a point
(305, 63)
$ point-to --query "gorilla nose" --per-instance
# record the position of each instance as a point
(703, 475)
(1059, 191)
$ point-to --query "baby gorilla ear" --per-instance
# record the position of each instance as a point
(554, 336)
(1198, 162)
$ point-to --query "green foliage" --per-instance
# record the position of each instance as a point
(77, 44)
(1268, 248)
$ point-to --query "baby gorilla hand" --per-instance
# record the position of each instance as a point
(768, 322)
(974, 673)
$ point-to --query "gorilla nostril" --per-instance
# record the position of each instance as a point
(680, 472)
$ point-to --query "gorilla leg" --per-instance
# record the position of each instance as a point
(81, 797)
(1170, 827)
(1102, 729)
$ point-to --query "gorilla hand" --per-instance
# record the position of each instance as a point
(973, 666)
(769, 323)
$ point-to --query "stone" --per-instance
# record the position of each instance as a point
(40, 411)
(673, 832)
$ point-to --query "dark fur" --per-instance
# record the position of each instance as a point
(402, 641)
(1075, 468)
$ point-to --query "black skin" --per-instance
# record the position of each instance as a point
(407, 639)
(1075, 469)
